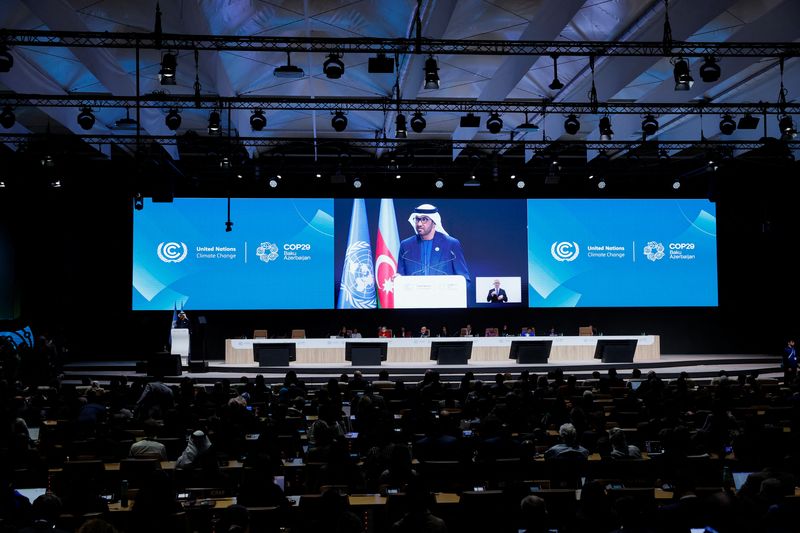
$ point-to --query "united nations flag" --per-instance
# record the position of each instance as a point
(357, 289)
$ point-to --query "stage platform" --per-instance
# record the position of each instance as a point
(667, 367)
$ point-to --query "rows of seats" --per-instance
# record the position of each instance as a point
(480, 446)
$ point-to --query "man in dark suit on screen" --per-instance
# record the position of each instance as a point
(496, 294)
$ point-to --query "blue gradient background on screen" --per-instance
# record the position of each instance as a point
(243, 282)
(631, 281)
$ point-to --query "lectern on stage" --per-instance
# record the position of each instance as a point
(180, 344)
(366, 353)
(430, 292)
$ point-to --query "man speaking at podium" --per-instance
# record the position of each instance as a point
(431, 251)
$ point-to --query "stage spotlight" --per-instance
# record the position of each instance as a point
(273, 182)
(288, 70)
(2, 184)
(676, 184)
(214, 122)
(339, 121)
(470, 121)
(418, 122)
(400, 130)
(572, 125)
(357, 182)
(55, 183)
(380, 64)
(7, 117)
(333, 67)
(683, 78)
(431, 73)
(709, 70)
(727, 125)
(521, 184)
(494, 123)
(169, 66)
(786, 125)
(712, 165)
(6, 59)
(86, 118)
(138, 202)
(439, 183)
(748, 122)
(225, 162)
(556, 84)
(48, 161)
(606, 133)
(649, 125)
(601, 183)
(258, 120)
(173, 119)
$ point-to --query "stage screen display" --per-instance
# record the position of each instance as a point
(622, 253)
(321, 253)
(278, 256)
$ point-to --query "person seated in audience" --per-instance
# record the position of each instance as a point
(148, 447)
(97, 525)
(258, 488)
(419, 518)
(155, 504)
(234, 519)
(383, 380)
(568, 447)
(45, 512)
(358, 383)
(533, 514)
(620, 449)
(594, 514)
(93, 411)
(198, 450)
(399, 471)
(438, 444)
(686, 510)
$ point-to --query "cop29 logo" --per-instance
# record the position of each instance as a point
(654, 251)
(564, 251)
(172, 252)
(267, 252)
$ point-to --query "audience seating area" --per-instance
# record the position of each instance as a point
(602, 454)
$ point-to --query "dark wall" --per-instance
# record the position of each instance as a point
(74, 277)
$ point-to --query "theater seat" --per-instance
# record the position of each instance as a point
(298, 334)
(260, 334)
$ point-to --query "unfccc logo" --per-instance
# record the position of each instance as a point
(564, 250)
(172, 252)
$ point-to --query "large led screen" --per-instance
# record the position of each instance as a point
(603, 253)
(423, 253)
(278, 256)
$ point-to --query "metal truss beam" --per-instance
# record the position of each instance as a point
(76, 39)
(166, 101)
(393, 144)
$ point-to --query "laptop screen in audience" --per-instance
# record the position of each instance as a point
(739, 478)
(32, 494)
